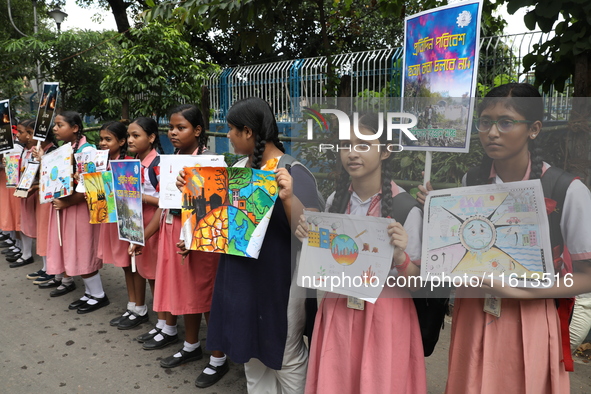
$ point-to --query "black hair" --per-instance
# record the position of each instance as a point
(527, 101)
(256, 113)
(119, 131)
(370, 121)
(150, 126)
(195, 117)
(27, 123)
(74, 119)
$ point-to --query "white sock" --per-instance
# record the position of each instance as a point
(140, 310)
(94, 287)
(12, 234)
(130, 306)
(168, 330)
(44, 264)
(188, 347)
(65, 282)
(161, 323)
(84, 298)
(216, 362)
(18, 243)
(59, 277)
(13, 248)
(27, 246)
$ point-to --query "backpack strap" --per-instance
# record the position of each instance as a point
(472, 176)
(402, 203)
(153, 172)
(286, 160)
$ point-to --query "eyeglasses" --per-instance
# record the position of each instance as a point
(503, 125)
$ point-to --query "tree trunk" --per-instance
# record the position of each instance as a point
(578, 160)
(125, 110)
(119, 9)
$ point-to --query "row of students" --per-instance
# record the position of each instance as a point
(254, 320)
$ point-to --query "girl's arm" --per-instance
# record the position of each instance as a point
(151, 229)
(151, 200)
(65, 202)
(401, 260)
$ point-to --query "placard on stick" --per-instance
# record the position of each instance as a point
(46, 111)
(6, 140)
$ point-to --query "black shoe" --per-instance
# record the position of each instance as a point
(13, 252)
(204, 380)
(10, 251)
(87, 308)
(147, 336)
(78, 303)
(13, 258)
(115, 322)
(4, 237)
(62, 289)
(172, 361)
(43, 279)
(5, 244)
(22, 262)
(52, 283)
(35, 275)
(126, 323)
(153, 344)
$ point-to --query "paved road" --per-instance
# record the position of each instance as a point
(48, 348)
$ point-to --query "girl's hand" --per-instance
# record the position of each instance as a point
(37, 153)
(181, 246)
(135, 250)
(423, 192)
(398, 238)
(302, 230)
(285, 183)
(60, 204)
(180, 180)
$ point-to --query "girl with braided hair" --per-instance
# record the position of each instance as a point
(533, 357)
(377, 349)
(253, 317)
(78, 253)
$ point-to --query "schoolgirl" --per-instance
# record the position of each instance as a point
(143, 141)
(531, 358)
(10, 214)
(184, 285)
(377, 349)
(78, 253)
(41, 277)
(253, 318)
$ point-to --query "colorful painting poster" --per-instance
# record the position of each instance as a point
(12, 168)
(345, 254)
(88, 161)
(6, 138)
(439, 75)
(100, 197)
(170, 166)
(27, 179)
(46, 111)
(128, 200)
(499, 230)
(227, 210)
(56, 177)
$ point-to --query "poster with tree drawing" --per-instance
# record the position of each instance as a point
(345, 254)
(128, 200)
(498, 230)
(227, 210)
(56, 174)
(100, 197)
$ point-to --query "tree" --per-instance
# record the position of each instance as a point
(157, 70)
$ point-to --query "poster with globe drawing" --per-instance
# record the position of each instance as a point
(227, 210)
(345, 254)
(499, 230)
(56, 178)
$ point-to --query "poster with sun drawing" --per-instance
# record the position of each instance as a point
(100, 197)
(345, 254)
(56, 179)
(227, 210)
(499, 230)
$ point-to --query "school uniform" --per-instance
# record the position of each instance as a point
(521, 351)
(42, 217)
(78, 255)
(28, 205)
(10, 214)
(378, 349)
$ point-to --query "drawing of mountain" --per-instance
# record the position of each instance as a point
(259, 202)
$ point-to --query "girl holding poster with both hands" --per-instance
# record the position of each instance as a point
(520, 351)
(377, 349)
(184, 285)
(77, 255)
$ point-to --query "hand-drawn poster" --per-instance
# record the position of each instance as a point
(6, 138)
(345, 254)
(439, 78)
(88, 161)
(46, 111)
(499, 229)
(12, 168)
(170, 166)
(227, 210)
(27, 179)
(56, 179)
(128, 200)
(100, 197)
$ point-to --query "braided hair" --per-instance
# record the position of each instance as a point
(74, 119)
(194, 116)
(150, 126)
(342, 196)
(526, 100)
(119, 131)
(27, 124)
(257, 114)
